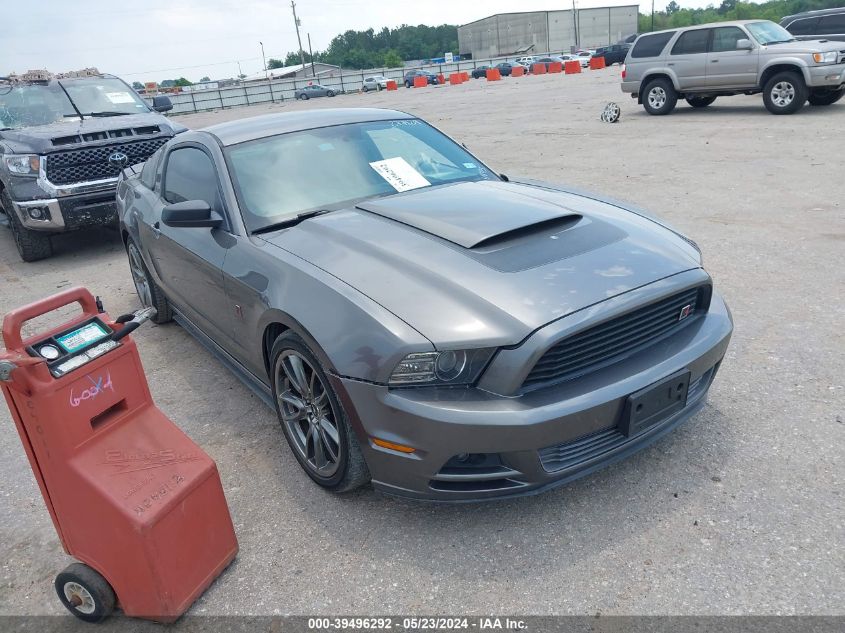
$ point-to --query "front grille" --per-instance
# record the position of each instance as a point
(92, 163)
(613, 340)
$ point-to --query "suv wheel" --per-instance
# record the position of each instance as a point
(784, 93)
(659, 97)
(700, 102)
(825, 97)
(31, 245)
(312, 417)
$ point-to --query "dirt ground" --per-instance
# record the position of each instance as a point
(740, 511)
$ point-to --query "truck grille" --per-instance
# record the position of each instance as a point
(613, 340)
(92, 163)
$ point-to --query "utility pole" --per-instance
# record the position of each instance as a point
(652, 15)
(264, 59)
(240, 72)
(575, 24)
(298, 39)
(311, 54)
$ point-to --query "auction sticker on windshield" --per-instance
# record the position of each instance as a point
(399, 174)
(120, 97)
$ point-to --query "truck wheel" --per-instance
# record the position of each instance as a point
(313, 419)
(659, 97)
(825, 97)
(85, 593)
(784, 93)
(148, 291)
(700, 102)
(32, 245)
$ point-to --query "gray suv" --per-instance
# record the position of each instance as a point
(706, 61)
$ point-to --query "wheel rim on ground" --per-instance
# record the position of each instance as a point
(783, 93)
(79, 598)
(307, 414)
(656, 97)
(139, 276)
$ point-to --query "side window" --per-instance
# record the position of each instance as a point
(190, 175)
(726, 37)
(148, 172)
(832, 24)
(692, 42)
(804, 26)
(651, 45)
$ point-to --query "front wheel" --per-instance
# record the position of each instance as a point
(313, 419)
(31, 245)
(784, 93)
(660, 97)
(825, 97)
(303, 97)
(700, 102)
(148, 291)
(330, 93)
(85, 593)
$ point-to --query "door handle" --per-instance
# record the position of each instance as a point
(714, 61)
(157, 229)
(671, 64)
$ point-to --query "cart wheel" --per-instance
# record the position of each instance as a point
(85, 593)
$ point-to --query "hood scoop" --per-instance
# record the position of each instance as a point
(474, 214)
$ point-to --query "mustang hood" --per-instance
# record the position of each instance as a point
(487, 263)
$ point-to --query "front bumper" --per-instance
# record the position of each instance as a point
(530, 442)
(826, 76)
(41, 206)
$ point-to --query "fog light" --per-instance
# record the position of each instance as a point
(37, 213)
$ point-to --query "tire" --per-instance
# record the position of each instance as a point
(148, 291)
(659, 97)
(365, 89)
(700, 102)
(85, 593)
(330, 93)
(31, 245)
(825, 97)
(784, 93)
(328, 450)
(303, 97)
(407, 84)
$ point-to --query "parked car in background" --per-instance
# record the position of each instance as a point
(376, 82)
(62, 144)
(613, 54)
(505, 68)
(312, 91)
(526, 60)
(828, 24)
(584, 57)
(414, 319)
(629, 39)
(411, 74)
(479, 72)
(549, 60)
(700, 63)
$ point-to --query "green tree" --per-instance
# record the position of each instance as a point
(672, 7)
(275, 63)
(137, 85)
(392, 59)
(205, 79)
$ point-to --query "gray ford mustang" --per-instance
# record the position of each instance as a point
(417, 320)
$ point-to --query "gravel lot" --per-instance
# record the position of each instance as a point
(738, 512)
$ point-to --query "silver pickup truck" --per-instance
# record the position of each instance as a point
(706, 61)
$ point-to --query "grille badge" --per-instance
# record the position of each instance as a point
(685, 312)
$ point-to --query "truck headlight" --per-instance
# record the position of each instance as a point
(22, 164)
(448, 367)
(825, 58)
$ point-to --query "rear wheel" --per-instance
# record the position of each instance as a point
(659, 97)
(303, 97)
(85, 593)
(330, 93)
(700, 102)
(785, 93)
(149, 293)
(825, 97)
(312, 418)
(31, 245)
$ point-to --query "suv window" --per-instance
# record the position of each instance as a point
(651, 45)
(832, 24)
(691, 42)
(804, 26)
(190, 175)
(726, 37)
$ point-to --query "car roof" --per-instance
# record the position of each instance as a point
(814, 14)
(252, 128)
(709, 25)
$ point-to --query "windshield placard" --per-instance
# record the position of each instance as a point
(399, 174)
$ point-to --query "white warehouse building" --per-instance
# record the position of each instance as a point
(546, 31)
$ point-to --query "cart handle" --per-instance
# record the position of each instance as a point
(14, 320)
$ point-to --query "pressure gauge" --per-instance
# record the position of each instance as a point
(50, 352)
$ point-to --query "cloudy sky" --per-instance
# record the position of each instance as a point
(160, 39)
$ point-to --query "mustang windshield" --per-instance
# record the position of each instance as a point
(280, 177)
(29, 104)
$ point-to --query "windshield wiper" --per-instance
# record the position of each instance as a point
(107, 113)
(290, 221)
(780, 42)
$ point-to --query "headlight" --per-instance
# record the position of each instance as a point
(449, 367)
(825, 58)
(22, 164)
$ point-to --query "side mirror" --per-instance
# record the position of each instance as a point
(162, 103)
(191, 213)
(744, 45)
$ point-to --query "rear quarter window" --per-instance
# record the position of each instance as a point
(804, 26)
(651, 45)
(832, 24)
